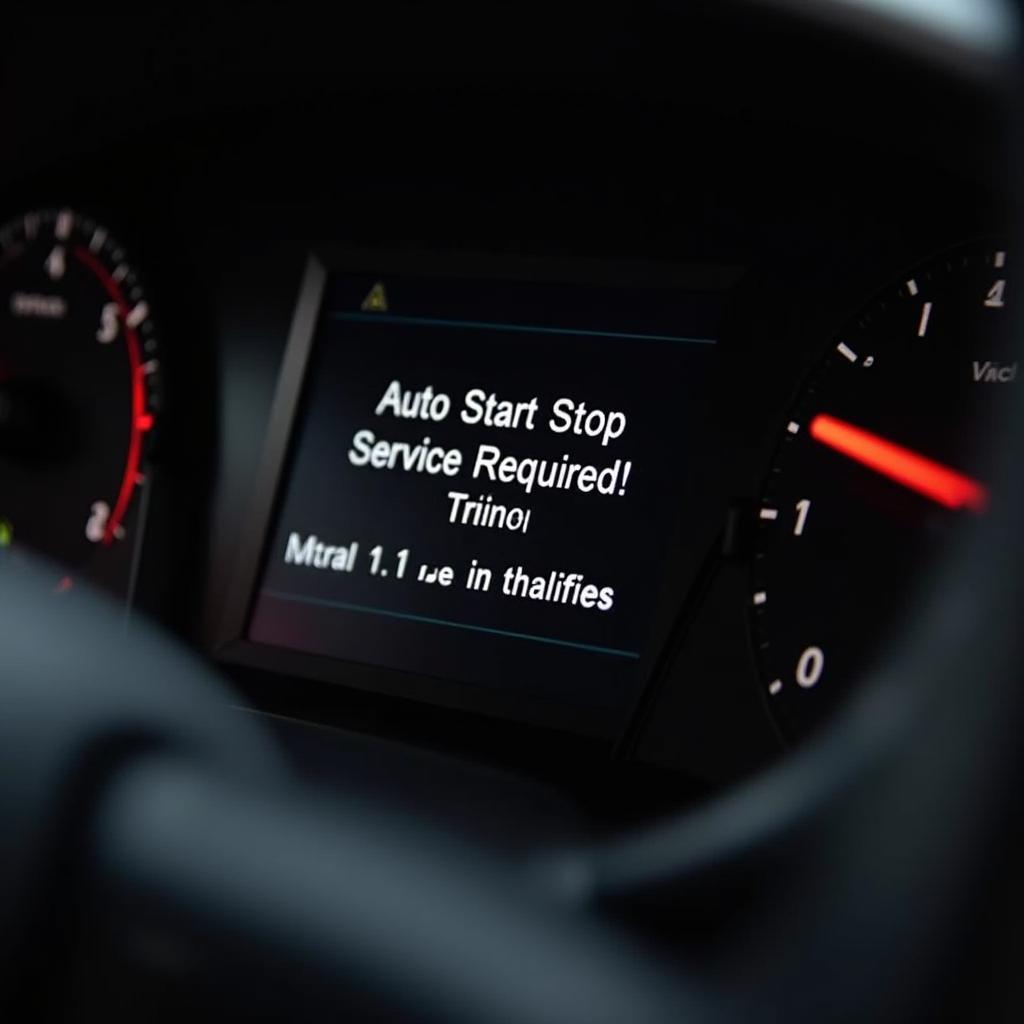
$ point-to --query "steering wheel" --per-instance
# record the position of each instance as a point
(156, 852)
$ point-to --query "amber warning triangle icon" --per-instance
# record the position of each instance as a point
(376, 300)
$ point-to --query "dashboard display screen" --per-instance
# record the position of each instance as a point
(483, 480)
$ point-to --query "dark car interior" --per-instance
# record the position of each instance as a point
(511, 513)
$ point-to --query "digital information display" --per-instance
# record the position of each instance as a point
(483, 480)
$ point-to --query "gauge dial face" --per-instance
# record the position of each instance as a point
(880, 462)
(79, 396)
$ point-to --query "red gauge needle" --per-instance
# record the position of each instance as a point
(931, 479)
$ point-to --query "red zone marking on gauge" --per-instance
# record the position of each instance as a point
(142, 420)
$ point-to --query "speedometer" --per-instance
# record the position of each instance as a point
(79, 396)
(876, 469)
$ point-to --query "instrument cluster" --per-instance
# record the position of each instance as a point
(764, 398)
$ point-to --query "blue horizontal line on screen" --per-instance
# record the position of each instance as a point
(428, 321)
(280, 595)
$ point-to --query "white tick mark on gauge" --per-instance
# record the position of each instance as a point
(912, 286)
(845, 350)
(793, 427)
(775, 686)
(137, 315)
(151, 366)
(761, 597)
(99, 236)
(120, 273)
(926, 315)
(1000, 260)
(65, 222)
(769, 513)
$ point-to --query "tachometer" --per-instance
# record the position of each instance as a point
(877, 467)
(79, 395)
